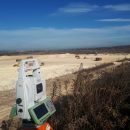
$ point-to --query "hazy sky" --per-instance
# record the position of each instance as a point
(58, 24)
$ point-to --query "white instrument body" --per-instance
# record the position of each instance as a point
(30, 88)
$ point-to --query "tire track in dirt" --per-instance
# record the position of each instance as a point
(4, 112)
(7, 99)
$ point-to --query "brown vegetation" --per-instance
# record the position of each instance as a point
(29, 57)
(16, 65)
(18, 60)
(98, 59)
(96, 104)
(85, 57)
(124, 59)
(77, 56)
(42, 64)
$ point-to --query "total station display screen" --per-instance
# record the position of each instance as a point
(39, 88)
(40, 111)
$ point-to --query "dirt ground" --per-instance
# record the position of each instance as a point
(55, 66)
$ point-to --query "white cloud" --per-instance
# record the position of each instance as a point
(52, 38)
(76, 8)
(114, 20)
(119, 7)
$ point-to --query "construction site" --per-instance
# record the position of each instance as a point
(68, 76)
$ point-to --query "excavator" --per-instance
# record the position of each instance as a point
(33, 106)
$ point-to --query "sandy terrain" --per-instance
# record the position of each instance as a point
(55, 65)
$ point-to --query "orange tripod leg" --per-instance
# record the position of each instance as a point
(45, 126)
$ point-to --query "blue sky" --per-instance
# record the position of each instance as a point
(59, 24)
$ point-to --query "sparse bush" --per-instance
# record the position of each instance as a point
(18, 60)
(98, 59)
(77, 56)
(30, 57)
(95, 104)
(42, 64)
(122, 60)
(16, 65)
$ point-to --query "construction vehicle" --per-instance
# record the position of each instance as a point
(32, 104)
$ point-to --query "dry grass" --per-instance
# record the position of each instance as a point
(96, 105)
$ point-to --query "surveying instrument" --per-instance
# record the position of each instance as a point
(32, 104)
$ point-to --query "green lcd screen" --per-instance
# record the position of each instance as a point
(41, 111)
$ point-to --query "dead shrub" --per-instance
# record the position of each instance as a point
(98, 59)
(94, 105)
